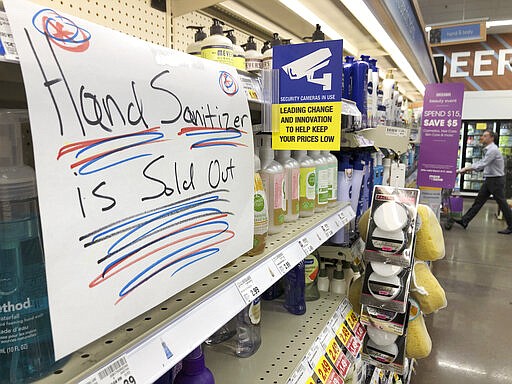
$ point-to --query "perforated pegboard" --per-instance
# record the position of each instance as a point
(182, 36)
(134, 17)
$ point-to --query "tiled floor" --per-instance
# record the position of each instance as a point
(472, 337)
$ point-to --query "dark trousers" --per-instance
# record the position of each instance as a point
(492, 186)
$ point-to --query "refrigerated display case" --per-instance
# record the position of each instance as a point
(470, 151)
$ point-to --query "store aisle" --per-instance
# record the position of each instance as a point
(472, 338)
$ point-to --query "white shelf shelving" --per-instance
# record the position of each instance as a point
(152, 343)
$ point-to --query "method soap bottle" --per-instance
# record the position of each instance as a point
(217, 47)
(272, 174)
(322, 180)
(307, 183)
(292, 173)
(26, 346)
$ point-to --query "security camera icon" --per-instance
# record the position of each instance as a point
(307, 65)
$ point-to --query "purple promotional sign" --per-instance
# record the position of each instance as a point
(440, 129)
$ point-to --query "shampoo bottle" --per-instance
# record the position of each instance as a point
(322, 175)
(374, 90)
(193, 370)
(292, 174)
(388, 88)
(260, 210)
(307, 183)
(217, 47)
(312, 267)
(369, 92)
(347, 78)
(360, 88)
(294, 290)
(253, 59)
(194, 48)
(25, 333)
(332, 178)
(238, 51)
(272, 174)
(248, 334)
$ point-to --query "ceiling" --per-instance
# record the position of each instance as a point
(445, 11)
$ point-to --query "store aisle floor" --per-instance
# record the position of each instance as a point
(472, 337)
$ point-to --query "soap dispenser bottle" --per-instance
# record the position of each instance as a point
(292, 173)
(217, 47)
(307, 183)
(194, 48)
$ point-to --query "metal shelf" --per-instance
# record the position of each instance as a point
(149, 345)
(285, 340)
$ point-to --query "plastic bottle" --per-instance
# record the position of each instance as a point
(260, 210)
(345, 172)
(26, 341)
(338, 284)
(332, 178)
(307, 183)
(388, 88)
(217, 47)
(347, 78)
(311, 269)
(193, 370)
(357, 182)
(272, 174)
(267, 54)
(226, 332)
(248, 334)
(323, 279)
(292, 174)
(294, 289)
(238, 51)
(375, 88)
(253, 59)
(381, 108)
(321, 177)
(194, 48)
(359, 72)
(369, 92)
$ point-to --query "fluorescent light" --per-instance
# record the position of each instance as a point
(498, 23)
(308, 15)
(361, 12)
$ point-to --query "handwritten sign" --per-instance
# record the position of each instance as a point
(142, 156)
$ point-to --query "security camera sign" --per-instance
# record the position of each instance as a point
(306, 109)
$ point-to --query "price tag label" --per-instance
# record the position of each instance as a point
(323, 369)
(344, 334)
(327, 229)
(341, 362)
(118, 372)
(360, 331)
(252, 94)
(344, 219)
(354, 346)
(282, 264)
(306, 245)
(248, 289)
(297, 376)
(310, 381)
(314, 354)
(333, 350)
(352, 319)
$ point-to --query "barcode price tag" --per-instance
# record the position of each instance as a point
(352, 319)
(344, 334)
(117, 372)
(282, 264)
(327, 229)
(248, 289)
(306, 245)
(344, 219)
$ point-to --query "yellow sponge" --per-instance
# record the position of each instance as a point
(429, 239)
(354, 294)
(363, 224)
(426, 290)
(418, 344)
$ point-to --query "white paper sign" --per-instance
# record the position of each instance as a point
(144, 168)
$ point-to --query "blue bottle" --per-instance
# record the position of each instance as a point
(295, 289)
(346, 90)
(360, 88)
(27, 353)
(194, 370)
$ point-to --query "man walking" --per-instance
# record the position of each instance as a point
(494, 182)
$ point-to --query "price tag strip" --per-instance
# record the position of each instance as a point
(305, 244)
(338, 358)
(117, 372)
(327, 229)
(282, 263)
(348, 340)
(248, 289)
(326, 372)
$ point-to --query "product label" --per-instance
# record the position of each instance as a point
(267, 64)
(253, 64)
(307, 190)
(239, 62)
(255, 311)
(322, 181)
(311, 269)
(295, 180)
(219, 53)
(260, 207)
(279, 199)
(332, 187)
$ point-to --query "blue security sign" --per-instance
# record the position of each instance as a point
(309, 72)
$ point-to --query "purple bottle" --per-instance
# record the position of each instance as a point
(194, 370)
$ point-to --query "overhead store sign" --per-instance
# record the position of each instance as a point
(440, 130)
(306, 110)
(144, 169)
(482, 66)
(457, 33)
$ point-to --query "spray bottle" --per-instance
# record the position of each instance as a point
(194, 48)
(347, 78)
(238, 51)
(294, 289)
(272, 174)
(292, 175)
(253, 59)
(307, 183)
(322, 176)
(26, 339)
(332, 178)
(217, 47)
